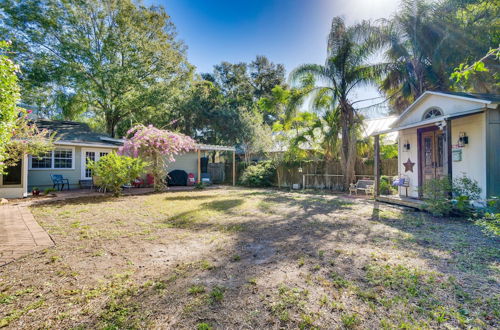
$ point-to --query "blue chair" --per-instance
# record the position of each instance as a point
(59, 181)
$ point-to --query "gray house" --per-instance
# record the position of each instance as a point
(75, 145)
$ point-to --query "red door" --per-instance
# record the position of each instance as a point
(432, 160)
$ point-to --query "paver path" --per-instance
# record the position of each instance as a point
(20, 234)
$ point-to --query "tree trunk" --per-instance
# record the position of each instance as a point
(349, 140)
(110, 124)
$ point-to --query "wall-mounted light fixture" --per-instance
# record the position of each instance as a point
(300, 169)
(406, 146)
(463, 139)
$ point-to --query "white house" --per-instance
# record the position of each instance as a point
(449, 134)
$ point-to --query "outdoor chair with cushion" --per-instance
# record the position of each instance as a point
(59, 181)
(364, 185)
(401, 181)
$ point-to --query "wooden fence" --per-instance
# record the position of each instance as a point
(318, 175)
(321, 175)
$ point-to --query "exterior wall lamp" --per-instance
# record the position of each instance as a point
(463, 139)
(406, 146)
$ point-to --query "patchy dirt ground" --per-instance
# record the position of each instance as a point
(239, 258)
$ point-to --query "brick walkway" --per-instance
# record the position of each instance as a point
(20, 234)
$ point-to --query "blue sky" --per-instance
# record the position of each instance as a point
(290, 32)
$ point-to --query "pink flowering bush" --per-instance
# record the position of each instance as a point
(156, 146)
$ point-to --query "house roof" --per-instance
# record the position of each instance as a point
(485, 99)
(74, 133)
(489, 98)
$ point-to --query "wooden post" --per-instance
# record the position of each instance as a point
(449, 143)
(234, 167)
(376, 165)
(199, 166)
(449, 156)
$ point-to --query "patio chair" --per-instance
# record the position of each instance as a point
(59, 181)
(402, 181)
(364, 185)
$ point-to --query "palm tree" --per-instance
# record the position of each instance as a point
(346, 67)
(419, 48)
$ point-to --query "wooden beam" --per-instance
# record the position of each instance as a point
(449, 156)
(376, 165)
(449, 143)
(234, 168)
(199, 166)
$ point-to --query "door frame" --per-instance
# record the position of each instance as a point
(420, 157)
(83, 159)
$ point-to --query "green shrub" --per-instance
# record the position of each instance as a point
(490, 221)
(490, 224)
(464, 191)
(259, 175)
(113, 171)
(386, 187)
(465, 186)
(437, 192)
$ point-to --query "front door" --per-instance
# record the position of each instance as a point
(432, 160)
(90, 155)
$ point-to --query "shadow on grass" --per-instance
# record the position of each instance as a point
(273, 244)
(465, 249)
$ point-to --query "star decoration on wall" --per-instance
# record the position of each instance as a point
(408, 165)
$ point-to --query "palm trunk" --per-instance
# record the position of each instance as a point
(348, 150)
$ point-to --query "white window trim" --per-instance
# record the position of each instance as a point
(83, 159)
(52, 161)
(426, 112)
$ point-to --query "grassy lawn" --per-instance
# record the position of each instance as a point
(241, 258)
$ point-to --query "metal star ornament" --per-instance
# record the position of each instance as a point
(408, 165)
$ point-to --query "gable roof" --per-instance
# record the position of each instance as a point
(484, 99)
(74, 133)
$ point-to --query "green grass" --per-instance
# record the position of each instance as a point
(216, 294)
(350, 320)
(203, 326)
(196, 289)
(123, 263)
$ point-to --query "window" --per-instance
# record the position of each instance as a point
(63, 158)
(60, 158)
(432, 112)
(43, 161)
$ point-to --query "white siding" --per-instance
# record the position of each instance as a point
(447, 104)
(473, 163)
(409, 135)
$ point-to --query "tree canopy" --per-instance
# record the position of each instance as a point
(118, 60)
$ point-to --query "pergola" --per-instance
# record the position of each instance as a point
(211, 147)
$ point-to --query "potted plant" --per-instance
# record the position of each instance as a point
(35, 191)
